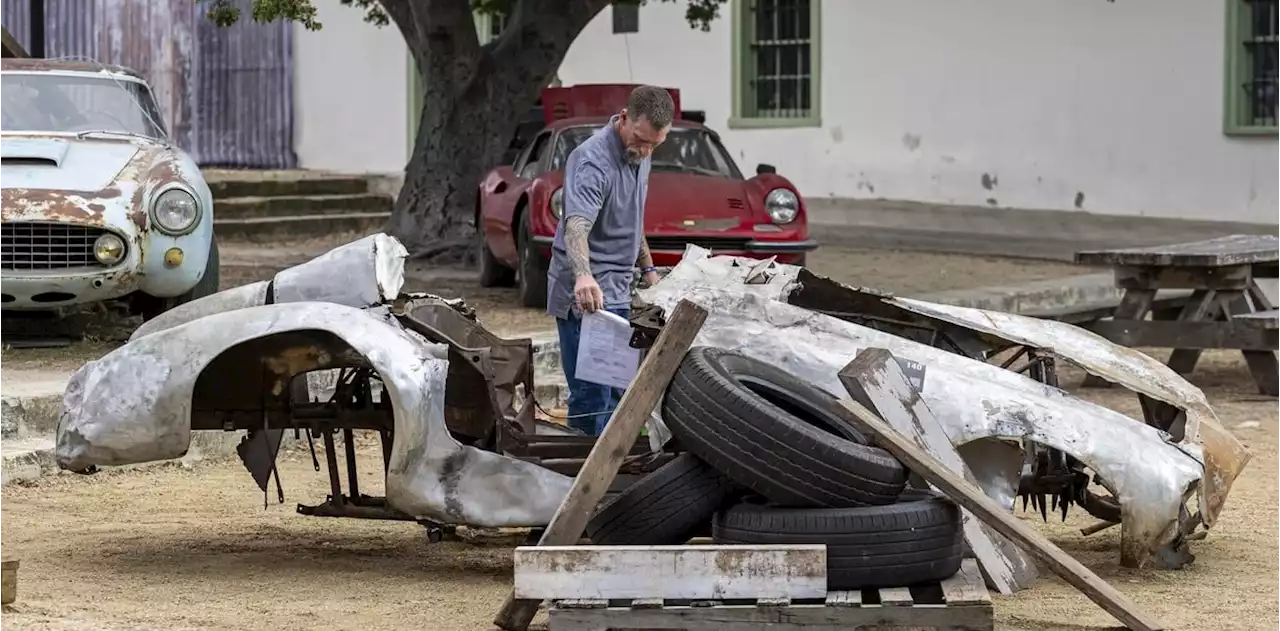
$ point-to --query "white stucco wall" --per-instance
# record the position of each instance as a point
(350, 93)
(1118, 102)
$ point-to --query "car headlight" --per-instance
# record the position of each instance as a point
(782, 205)
(108, 249)
(557, 203)
(175, 212)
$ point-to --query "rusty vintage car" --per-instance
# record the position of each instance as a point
(96, 203)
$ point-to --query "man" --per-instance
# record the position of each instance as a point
(600, 240)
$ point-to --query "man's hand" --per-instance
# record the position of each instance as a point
(588, 294)
(649, 279)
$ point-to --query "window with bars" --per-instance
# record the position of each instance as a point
(1251, 64)
(777, 75)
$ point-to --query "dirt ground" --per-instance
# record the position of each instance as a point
(193, 548)
(904, 273)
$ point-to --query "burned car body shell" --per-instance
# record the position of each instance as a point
(1153, 475)
(71, 174)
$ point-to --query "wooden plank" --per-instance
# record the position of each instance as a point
(973, 499)
(598, 472)
(10, 45)
(882, 387)
(1236, 249)
(583, 603)
(1227, 277)
(1241, 334)
(896, 597)
(1098, 309)
(671, 572)
(794, 618)
(8, 581)
(647, 603)
(844, 598)
(1272, 314)
(966, 586)
(773, 602)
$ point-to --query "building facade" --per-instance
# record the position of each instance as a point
(1140, 107)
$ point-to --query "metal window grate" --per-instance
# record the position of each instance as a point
(43, 246)
(1260, 65)
(780, 54)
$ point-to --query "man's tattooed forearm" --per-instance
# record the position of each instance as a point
(576, 230)
(645, 259)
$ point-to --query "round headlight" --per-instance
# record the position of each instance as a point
(175, 212)
(782, 205)
(108, 249)
(557, 203)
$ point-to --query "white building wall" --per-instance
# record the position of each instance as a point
(1117, 105)
(350, 90)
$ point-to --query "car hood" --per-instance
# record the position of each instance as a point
(689, 202)
(62, 163)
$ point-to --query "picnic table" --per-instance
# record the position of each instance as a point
(1226, 310)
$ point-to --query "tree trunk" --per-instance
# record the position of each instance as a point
(473, 99)
(458, 140)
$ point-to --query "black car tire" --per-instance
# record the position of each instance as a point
(773, 434)
(492, 272)
(916, 540)
(532, 277)
(666, 507)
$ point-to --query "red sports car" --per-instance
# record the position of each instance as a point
(696, 195)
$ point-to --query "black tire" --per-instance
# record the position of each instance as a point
(666, 507)
(492, 272)
(917, 540)
(776, 435)
(532, 276)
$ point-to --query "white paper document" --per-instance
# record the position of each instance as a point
(605, 355)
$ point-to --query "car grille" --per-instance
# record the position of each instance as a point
(40, 246)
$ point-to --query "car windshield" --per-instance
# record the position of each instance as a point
(51, 102)
(686, 150)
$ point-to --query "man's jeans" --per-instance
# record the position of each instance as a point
(590, 404)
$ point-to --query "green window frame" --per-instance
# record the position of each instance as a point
(776, 63)
(1249, 94)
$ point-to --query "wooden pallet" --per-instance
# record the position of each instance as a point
(960, 603)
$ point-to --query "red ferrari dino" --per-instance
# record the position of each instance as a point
(696, 195)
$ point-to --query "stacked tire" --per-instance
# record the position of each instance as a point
(773, 460)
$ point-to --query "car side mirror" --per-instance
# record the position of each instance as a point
(762, 168)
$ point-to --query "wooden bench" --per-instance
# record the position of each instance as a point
(1269, 317)
(1168, 301)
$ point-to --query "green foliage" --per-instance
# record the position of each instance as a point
(700, 13)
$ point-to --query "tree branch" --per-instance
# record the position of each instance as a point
(440, 34)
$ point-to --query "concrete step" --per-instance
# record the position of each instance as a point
(26, 459)
(250, 184)
(273, 229)
(249, 207)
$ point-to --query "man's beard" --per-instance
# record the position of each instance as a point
(633, 157)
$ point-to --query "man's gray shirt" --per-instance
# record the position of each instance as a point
(602, 186)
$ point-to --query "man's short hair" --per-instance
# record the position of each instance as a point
(653, 104)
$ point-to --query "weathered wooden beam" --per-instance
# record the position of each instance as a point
(1241, 333)
(681, 572)
(878, 382)
(606, 456)
(972, 498)
(8, 580)
(10, 44)
(1236, 249)
(1232, 277)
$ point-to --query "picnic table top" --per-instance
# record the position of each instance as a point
(1237, 249)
